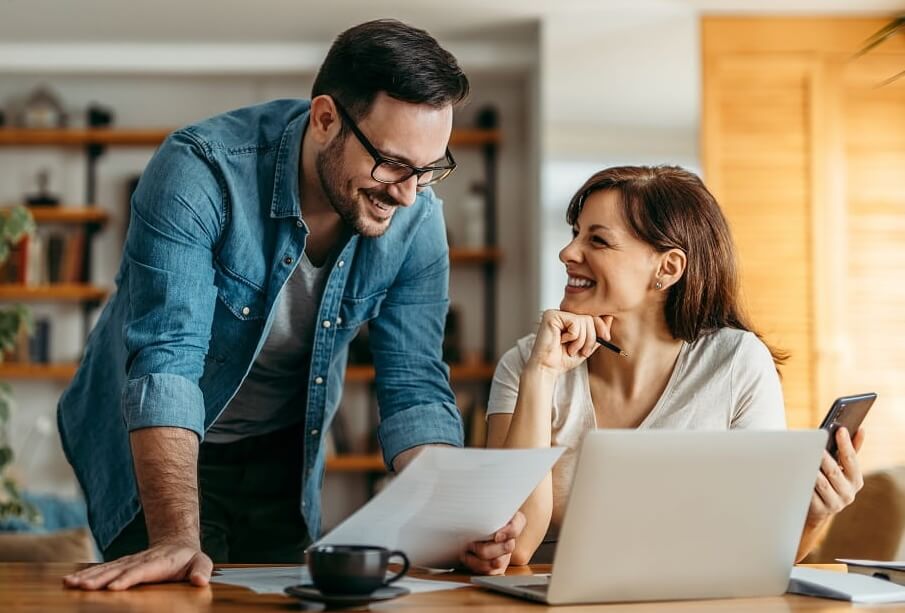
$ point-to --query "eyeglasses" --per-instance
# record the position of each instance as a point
(388, 170)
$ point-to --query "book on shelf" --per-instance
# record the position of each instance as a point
(47, 257)
(33, 348)
(39, 342)
(14, 269)
(18, 351)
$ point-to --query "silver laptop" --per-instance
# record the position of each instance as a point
(670, 515)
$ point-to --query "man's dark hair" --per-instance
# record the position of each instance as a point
(389, 56)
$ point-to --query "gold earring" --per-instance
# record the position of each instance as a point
(658, 284)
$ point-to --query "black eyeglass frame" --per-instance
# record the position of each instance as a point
(380, 159)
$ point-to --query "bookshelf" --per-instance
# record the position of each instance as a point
(71, 285)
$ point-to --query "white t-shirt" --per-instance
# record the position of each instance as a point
(723, 381)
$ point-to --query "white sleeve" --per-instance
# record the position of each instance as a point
(757, 402)
(504, 389)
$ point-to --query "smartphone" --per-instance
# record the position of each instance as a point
(847, 412)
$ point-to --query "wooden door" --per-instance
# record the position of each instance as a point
(807, 156)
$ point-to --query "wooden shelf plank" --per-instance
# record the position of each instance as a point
(62, 292)
(458, 372)
(151, 137)
(37, 372)
(69, 214)
(77, 138)
(368, 463)
(462, 255)
(474, 137)
(357, 374)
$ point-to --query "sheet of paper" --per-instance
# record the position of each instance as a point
(900, 565)
(446, 498)
(274, 579)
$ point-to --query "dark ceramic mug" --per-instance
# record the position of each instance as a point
(352, 569)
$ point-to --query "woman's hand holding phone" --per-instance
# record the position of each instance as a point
(837, 482)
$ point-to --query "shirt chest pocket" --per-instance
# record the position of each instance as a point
(243, 300)
(353, 312)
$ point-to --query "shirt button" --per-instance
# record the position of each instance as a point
(298, 223)
(318, 380)
(339, 320)
(246, 310)
(341, 263)
(314, 432)
(304, 504)
(326, 323)
(288, 260)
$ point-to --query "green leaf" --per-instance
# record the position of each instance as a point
(6, 457)
(15, 223)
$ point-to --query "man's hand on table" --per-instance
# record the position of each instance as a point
(176, 560)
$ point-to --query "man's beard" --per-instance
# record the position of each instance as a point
(330, 174)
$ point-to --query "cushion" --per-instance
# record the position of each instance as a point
(62, 546)
(873, 526)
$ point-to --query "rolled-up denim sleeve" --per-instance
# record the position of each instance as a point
(174, 225)
(417, 406)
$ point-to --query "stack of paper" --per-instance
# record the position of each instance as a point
(844, 586)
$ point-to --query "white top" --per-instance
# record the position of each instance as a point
(722, 381)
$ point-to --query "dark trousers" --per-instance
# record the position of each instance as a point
(250, 497)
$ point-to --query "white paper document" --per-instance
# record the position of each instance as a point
(844, 586)
(899, 565)
(274, 579)
(446, 498)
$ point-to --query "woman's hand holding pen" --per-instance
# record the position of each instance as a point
(565, 340)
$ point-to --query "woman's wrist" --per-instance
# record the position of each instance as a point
(537, 372)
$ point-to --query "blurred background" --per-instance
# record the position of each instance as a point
(802, 143)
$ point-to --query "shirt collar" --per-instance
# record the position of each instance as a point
(285, 202)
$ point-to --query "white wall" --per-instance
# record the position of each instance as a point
(618, 87)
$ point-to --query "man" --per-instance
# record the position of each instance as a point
(259, 241)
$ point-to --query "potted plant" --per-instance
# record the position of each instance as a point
(15, 224)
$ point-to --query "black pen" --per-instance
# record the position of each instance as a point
(612, 347)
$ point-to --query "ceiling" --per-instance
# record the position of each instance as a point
(275, 21)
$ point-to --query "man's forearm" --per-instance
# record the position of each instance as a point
(403, 458)
(166, 467)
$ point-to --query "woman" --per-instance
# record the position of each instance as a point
(651, 267)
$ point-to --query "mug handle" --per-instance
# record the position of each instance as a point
(405, 566)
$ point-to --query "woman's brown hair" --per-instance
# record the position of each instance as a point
(668, 207)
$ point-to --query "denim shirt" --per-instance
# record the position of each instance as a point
(215, 231)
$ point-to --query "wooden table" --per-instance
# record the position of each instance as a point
(38, 588)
